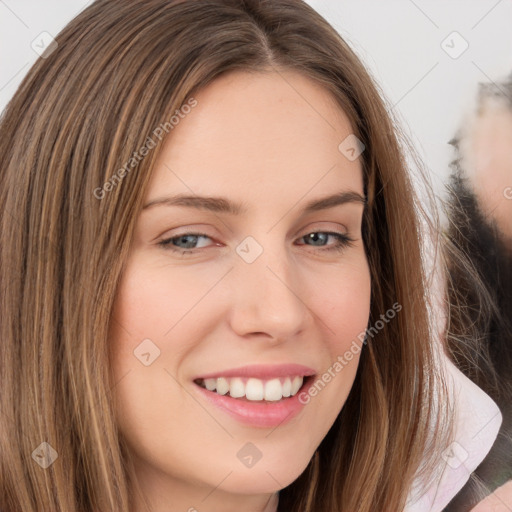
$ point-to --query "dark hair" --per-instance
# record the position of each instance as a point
(479, 334)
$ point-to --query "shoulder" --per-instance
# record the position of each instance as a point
(477, 423)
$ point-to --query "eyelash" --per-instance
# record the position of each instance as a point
(343, 241)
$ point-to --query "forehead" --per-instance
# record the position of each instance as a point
(280, 128)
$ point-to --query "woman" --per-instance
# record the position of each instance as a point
(251, 372)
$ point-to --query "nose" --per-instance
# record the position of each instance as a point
(266, 298)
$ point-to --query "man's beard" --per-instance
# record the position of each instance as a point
(479, 335)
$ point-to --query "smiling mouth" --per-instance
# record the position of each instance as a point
(249, 389)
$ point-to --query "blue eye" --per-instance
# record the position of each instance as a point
(170, 242)
(190, 239)
(342, 240)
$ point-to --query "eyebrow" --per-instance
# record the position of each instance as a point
(223, 205)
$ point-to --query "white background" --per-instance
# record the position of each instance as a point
(398, 40)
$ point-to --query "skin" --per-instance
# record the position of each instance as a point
(270, 141)
(498, 501)
(488, 161)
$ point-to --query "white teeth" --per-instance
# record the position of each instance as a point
(210, 384)
(255, 389)
(296, 384)
(287, 387)
(273, 390)
(236, 388)
(222, 386)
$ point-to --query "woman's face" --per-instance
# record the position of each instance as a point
(257, 295)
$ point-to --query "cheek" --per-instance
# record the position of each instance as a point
(342, 308)
(162, 304)
(344, 305)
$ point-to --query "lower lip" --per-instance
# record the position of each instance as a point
(258, 414)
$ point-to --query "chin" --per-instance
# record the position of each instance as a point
(274, 474)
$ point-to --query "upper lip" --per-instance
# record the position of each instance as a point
(260, 371)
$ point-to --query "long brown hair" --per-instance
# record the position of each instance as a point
(120, 70)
